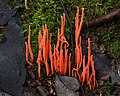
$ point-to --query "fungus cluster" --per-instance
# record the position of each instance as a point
(58, 59)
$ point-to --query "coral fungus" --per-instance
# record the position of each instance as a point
(60, 58)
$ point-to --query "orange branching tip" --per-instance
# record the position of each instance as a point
(80, 26)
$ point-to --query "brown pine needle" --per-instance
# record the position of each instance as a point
(26, 7)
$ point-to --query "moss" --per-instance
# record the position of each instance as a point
(12, 3)
(111, 39)
(114, 49)
(1, 37)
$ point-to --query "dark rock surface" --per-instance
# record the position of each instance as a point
(12, 51)
(118, 67)
(12, 60)
(3, 4)
(4, 94)
(6, 12)
(103, 67)
(67, 86)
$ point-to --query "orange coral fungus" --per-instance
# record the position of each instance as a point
(43, 52)
(39, 59)
(58, 59)
(29, 46)
(27, 54)
(29, 49)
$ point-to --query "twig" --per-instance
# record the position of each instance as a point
(103, 19)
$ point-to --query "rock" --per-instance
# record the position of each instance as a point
(67, 86)
(102, 64)
(3, 93)
(6, 12)
(118, 67)
(12, 60)
(115, 77)
(105, 78)
(12, 51)
(103, 67)
(3, 4)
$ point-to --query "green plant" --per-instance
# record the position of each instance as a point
(40, 12)
(110, 38)
(107, 89)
